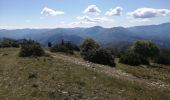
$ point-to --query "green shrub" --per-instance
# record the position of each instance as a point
(91, 51)
(146, 49)
(49, 44)
(133, 59)
(87, 48)
(31, 48)
(140, 53)
(6, 43)
(164, 57)
(103, 56)
(66, 47)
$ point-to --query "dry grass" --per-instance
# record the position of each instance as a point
(47, 78)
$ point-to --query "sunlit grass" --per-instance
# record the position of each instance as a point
(51, 78)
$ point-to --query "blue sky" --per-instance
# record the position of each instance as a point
(82, 13)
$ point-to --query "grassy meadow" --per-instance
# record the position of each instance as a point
(53, 78)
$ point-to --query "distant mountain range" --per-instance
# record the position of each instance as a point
(106, 36)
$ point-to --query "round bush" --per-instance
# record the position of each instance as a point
(91, 51)
(65, 47)
(133, 59)
(164, 57)
(146, 49)
(31, 48)
(103, 56)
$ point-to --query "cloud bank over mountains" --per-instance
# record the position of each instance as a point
(137, 16)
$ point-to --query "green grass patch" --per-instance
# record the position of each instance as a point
(46, 78)
(152, 72)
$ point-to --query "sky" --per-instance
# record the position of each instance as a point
(82, 13)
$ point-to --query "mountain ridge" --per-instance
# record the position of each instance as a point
(157, 33)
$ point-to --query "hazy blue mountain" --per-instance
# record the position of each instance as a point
(157, 33)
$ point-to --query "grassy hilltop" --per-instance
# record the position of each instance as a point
(63, 77)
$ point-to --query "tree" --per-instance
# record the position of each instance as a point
(146, 49)
(91, 51)
(31, 48)
(103, 56)
(132, 58)
(88, 47)
(49, 44)
(164, 57)
(140, 53)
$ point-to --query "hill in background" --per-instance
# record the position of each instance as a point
(160, 34)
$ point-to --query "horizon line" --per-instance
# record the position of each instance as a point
(77, 27)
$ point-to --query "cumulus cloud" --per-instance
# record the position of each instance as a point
(92, 9)
(87, 19)
(148, 13)
(50, 12)
(114, 12)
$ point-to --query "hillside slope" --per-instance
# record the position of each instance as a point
(67, 77)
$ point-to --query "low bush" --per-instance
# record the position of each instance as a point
(133, 59)
(66, 47)
(146, 49)
(49, 44)
(6, 43)
(88, 47)
(91, 51)
(164, 57)
(103, 56)
(31, 48)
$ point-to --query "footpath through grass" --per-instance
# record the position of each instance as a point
(48, 78)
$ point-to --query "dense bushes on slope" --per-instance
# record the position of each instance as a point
(164, 57)
(133, 59)
(146, 49)
(91, 51)
(88, 47)
(6, 42)
(31, 48)
(66, 47)
(140, 53)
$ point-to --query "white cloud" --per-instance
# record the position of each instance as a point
(139, 20)
(87, 19)
(92, 9)
(114, 12)
(50, 12)
(148, 13)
